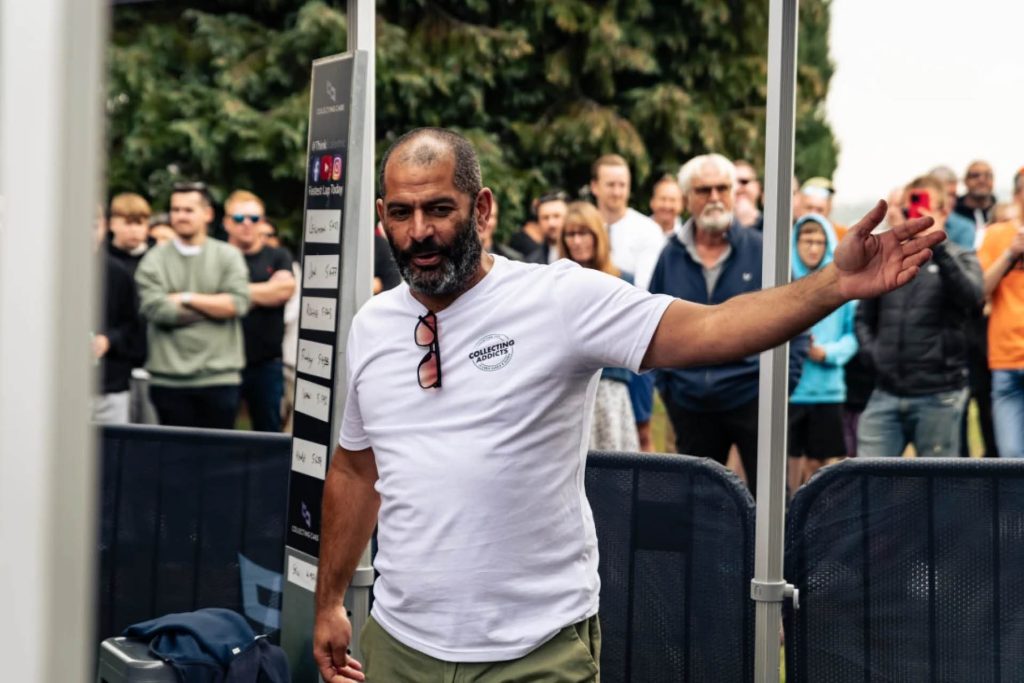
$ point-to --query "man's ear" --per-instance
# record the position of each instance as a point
(484, 206)
(380, 210)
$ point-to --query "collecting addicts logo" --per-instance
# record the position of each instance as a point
(492, 352)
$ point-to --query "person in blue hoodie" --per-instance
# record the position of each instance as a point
(816, 407)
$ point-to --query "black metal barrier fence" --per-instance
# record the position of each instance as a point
(196, 518)
(190, 518)
(908, 570)
(676, 541)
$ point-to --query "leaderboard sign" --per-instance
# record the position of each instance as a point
(317, 371)
(320, 306)
(336, 243)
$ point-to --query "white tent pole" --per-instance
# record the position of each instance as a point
(51, 94)
(768, 587)
(362, 16)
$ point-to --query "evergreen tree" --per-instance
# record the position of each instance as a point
(220, 91)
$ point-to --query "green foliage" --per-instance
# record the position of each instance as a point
(220, 91)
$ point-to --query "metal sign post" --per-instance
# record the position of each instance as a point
(768, 588)
(337, 257)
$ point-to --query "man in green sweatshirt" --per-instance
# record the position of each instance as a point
(194, 291)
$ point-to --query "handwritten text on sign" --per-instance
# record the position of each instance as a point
(318, 313)
(309, 458)
(315, 358)
(302, 573)
(312, 399)
(320, 272)
(323, 225)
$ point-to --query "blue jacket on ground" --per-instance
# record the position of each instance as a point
(824, 382)
(212, 645)
(714, 388)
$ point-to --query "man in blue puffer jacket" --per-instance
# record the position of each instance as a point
(816, 407)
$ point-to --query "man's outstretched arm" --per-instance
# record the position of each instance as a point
(350, 508)
(865, 266)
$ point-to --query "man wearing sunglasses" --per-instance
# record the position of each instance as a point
(193, 292)
(271, 284)
(464, 437)
(977, 203)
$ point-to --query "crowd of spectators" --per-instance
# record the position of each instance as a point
(196, 327)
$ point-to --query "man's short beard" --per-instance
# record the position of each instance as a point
(716, 224)
(459, 261)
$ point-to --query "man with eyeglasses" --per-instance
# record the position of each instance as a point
(465, 428)
(709, 261)
(977, 203)
(194, 292)
(271, 285)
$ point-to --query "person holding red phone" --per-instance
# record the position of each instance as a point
(915, 340)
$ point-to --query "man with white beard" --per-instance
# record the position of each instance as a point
(712, 259)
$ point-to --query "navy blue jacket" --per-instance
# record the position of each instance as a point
(212, 645)
(714, 388)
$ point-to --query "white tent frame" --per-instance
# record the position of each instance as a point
(51, 120)
(768, 588)
(50, 136)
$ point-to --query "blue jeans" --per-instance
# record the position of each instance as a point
(931, 423)
(1008, 411)
(262, 388)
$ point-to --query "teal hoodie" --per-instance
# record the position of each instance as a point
(823, 382)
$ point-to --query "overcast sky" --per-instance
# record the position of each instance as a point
(919, 84)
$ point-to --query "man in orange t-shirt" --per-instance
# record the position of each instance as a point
(1002, 259)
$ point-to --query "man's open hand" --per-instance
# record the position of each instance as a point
(871, 265)
(332, 634)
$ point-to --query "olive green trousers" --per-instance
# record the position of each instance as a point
(571, 656)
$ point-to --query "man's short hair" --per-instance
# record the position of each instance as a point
(239, 196)
(976, 162)
(130, 204)
(193, 186)
(930, 182)
(607, 160)
(689, 170)
(666, 178)
(552, 196)
(427, 146)
(744, 162)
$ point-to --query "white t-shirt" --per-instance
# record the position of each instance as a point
(486, 539)
(636, 243)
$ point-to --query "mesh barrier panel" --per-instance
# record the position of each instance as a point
(908, 570)
(182, 512)
(676, 540)
(185, 514)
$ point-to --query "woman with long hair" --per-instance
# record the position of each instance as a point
(584, 239)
